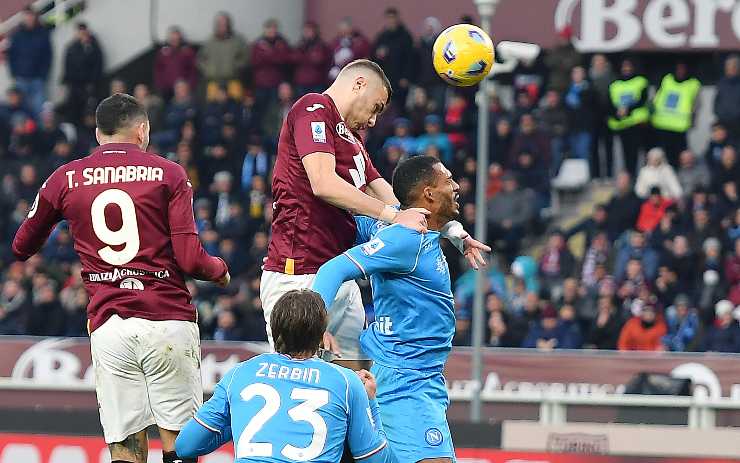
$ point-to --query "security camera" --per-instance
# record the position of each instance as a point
(511, 53)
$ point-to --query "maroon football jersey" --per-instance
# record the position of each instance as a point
(307, 231)
(122, 205)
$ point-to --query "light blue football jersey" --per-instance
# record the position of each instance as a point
(414, 306)
(284, 410)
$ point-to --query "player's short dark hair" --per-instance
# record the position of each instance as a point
(409, 174)
(118, 111)
(375, 67)
(298, 322)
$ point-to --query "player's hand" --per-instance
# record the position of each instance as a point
(414, 217)
(224, 280)
(473, 252)
(368, 380)
(330, 344)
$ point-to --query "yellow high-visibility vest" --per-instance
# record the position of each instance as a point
(624, 93)
(674, 104)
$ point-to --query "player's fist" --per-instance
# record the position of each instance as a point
(414, 217)
(368, 380)
(224, 280)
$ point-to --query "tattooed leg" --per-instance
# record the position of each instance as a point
(133, 449)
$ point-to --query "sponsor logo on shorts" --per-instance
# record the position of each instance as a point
(371, 247)
(344, 133)
(433, 436)
(132, 283)
(318, 132)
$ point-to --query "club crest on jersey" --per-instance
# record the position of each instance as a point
(318, 132)
(373, 246)
(433, 436)
(344, 133)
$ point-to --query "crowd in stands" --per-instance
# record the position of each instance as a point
(656, 267)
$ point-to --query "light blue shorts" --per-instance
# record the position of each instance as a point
(413, 409)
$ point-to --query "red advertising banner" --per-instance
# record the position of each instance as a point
(30, 448)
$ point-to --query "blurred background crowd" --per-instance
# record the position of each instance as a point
(655, 265)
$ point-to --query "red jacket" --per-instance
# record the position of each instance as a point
(650, 215)
(172, 64)
(312, 60)
(269, 62)
(636, 337)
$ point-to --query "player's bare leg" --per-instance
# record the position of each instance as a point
(133, 449)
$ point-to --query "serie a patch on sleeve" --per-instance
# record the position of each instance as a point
(318, 132)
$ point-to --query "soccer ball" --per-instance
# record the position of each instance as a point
(463, 55)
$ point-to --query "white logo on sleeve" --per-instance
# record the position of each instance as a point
(314, 107)
(371, 247)
(318, 132)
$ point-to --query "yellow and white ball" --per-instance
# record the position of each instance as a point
(463, 55)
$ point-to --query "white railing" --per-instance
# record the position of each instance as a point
(553, 407)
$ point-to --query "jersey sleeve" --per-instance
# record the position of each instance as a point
(312, 129)
(45, 213)
(365, 434)
(215, 414)
(393, 249)
(365, 226)
(180, 212)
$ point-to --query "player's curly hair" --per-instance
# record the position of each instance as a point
(117, 112)
(409, 174)
(298, 322)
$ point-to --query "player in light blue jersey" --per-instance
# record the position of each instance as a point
(291, 406)
(411, 338)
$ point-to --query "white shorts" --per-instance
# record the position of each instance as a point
(346, 314)
(146, 372)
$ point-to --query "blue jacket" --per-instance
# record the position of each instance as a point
(568, 335)
(29, 54)
(681, 333)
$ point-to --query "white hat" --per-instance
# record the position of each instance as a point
(723, 308)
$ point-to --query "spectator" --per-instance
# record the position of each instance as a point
(402, 136)
(426, 75)
(658, 173)
(556, 263)
(419, 108)
(652, 210)
(623, 208)
(503, 330)
(533, 175)
(256, 162)
(732, 273)
(561, 59)
(223, 58)
(636, 248)
(601, 76)
(118, 85)
(277, 111)
(553, 332)
(510, 212)
(580, 103)
(14, 304)
(500, 144)
(590, 226)
(184, 157)
(83, 70)
(727, 98)
(47, 317)
(181, 109)
(222, 196)
(531, 139)
(684, 327)
(29, 58)
(524, 103)
(692, 173)
(271, 56)
(347, 46)
(717, 142)
(629, 113)
(644, 331)
(312, 58)
(554, 120)
(219, 111)
(595, 260)
(48, 134)
(724, 336)
(394, 51)
(728, 168)
(227, 326)
(701, 229)
(29, 183)
(605, 328)
(152, 103)
(434, 136)
(176, 60)
(458, 121)
(727, 202)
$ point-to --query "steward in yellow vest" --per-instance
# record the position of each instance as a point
(629, 114)
(674, 106)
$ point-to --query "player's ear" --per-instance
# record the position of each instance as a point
(360, 82)
(97, 136)
(429, 193)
